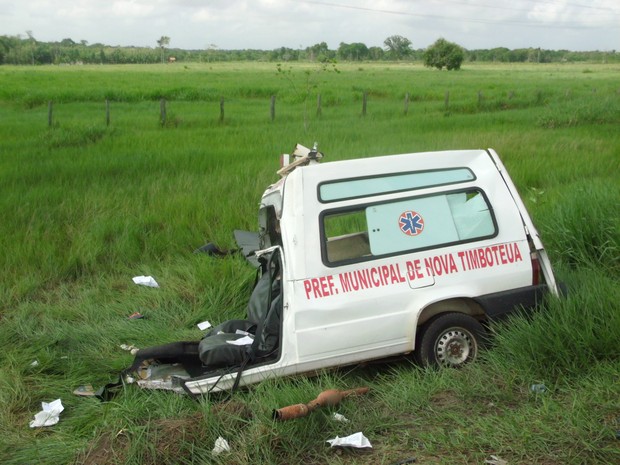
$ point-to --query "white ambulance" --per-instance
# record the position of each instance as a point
(365, 259)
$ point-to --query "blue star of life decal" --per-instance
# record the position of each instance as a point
(411, 223)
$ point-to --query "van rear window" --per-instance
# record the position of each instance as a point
(404, 226)
(333, 191)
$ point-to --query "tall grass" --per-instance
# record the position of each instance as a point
(571, 336)
(85, 207)
(583, 226)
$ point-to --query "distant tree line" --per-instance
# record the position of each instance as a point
(26, 50)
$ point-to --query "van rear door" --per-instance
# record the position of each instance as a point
(530, 229)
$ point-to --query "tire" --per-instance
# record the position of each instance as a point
(449, 340)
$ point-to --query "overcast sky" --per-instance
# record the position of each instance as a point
(269, 24)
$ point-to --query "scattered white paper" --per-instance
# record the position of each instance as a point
(49, 415)
(85, 390)
(130, 348)
(221, 445)
(145, 281)
(339, 417)
(204, 325)
(240, 331)
(34, 364)
(495, 460)
(244, 341)
(357, 440)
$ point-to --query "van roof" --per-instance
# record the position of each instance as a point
(318, 173)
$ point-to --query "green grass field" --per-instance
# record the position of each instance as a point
(84, 207)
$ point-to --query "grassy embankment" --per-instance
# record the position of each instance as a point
(85, 207)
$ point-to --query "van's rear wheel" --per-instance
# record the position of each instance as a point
(449, 339)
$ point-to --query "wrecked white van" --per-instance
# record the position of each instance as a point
(369, 258)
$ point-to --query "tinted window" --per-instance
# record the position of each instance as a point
(406, 225)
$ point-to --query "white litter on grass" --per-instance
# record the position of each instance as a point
(221, 445)
(495, 460)
(204, 325)
(339, 417)
(357, 440)
(49, 415)
(145, 281)
(34, 364)
(129, 348)
(538, 388)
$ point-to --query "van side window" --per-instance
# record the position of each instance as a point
(408, 225)
(346, 236)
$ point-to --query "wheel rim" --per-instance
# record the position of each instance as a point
(455, 346)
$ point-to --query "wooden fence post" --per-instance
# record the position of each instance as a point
(222, 110)
(107, 112)
(365, 97)
(49, 113)
(318, 105)
(272, 109)
(162, 111)
(406, 103)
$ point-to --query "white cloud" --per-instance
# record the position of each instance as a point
(269, 24)
(132, 9)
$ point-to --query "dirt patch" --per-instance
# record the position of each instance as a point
(232, 415)
(171, 440)
(445, 399)
(106, 449)
(233, 408)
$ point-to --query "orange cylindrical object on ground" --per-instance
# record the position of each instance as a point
(332, 397)
(328, 398)
(290, 412)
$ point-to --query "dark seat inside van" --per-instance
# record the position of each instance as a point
(261, 330)
(217, 349)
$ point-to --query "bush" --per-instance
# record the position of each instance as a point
(444, 54)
